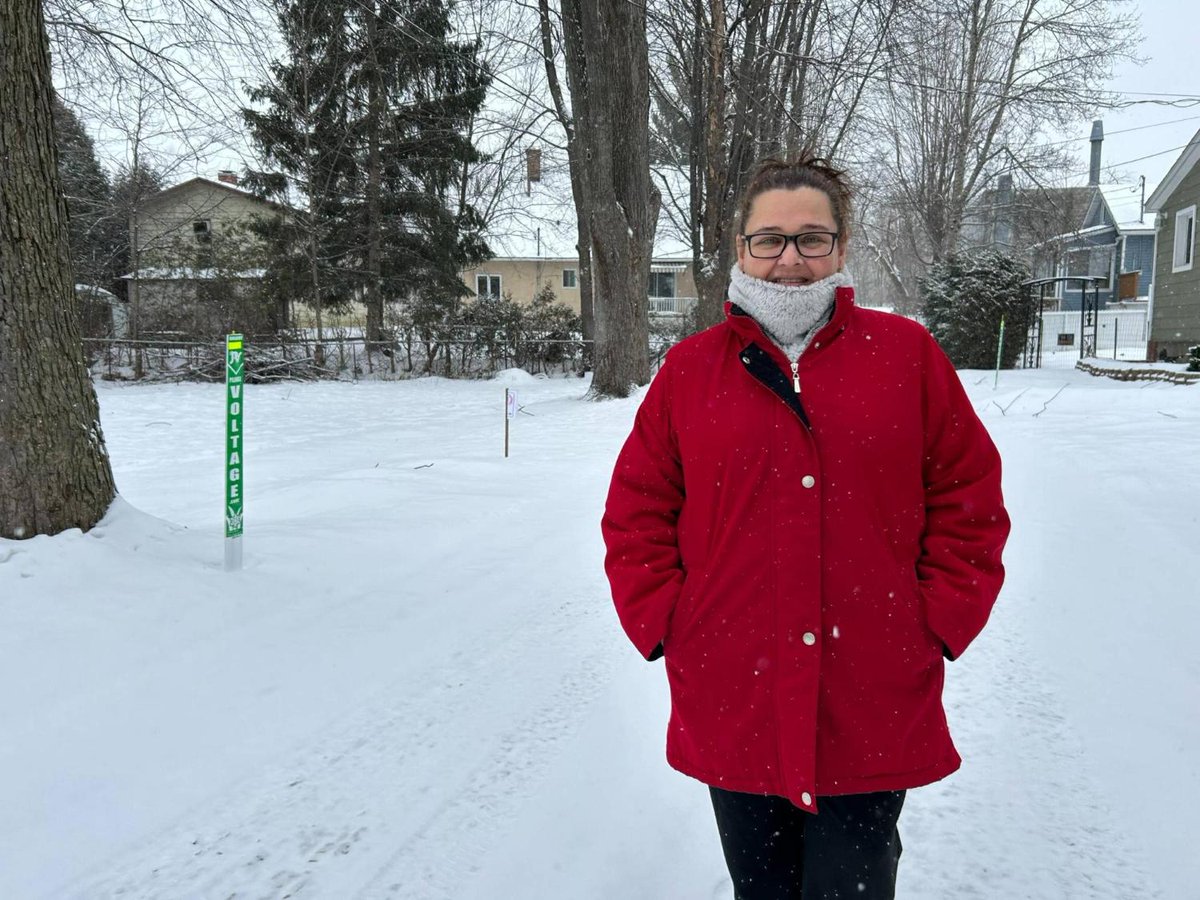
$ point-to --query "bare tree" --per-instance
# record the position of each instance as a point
(578, 172)
(54, 470)
(970, 86)
(195, 51)
(735, 80)
(157, 82)
(608, 78)
(517, 114)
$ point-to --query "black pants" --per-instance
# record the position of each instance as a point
(775, 851)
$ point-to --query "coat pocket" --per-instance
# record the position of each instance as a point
(932, 642)
(681, 615)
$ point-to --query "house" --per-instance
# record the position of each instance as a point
(534, 248)
(1071, 232)
(520, 275)
(1121, 252)
(1175, 299)
(196, 263)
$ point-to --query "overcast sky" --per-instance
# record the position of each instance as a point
(1170, 45)
(1147, 129)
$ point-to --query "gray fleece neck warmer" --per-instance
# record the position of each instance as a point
(789, 314)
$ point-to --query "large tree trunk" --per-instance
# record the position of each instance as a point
(54, 471)
(712, 269)
(579, 192)
(608, 69)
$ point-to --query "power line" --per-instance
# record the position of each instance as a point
(1128, 162)
(1156, 94)
(1150, 156)
(1109, 134)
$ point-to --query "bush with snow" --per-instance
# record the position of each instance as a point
(965, 297)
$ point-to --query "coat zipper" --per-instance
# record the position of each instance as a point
(796, 376)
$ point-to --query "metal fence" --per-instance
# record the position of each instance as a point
(344, 356)
(1119, 334)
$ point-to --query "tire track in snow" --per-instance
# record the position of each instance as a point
(1025, 817)
(446, 851)
(427, 773)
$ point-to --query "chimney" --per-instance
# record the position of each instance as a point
(1004, 189)
(1097, 141)
(1002, 226)
(227, 176)
(533, 167)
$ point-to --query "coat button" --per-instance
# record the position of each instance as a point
(809, 638)
(806, 798)
(808, 481)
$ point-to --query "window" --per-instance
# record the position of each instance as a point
(1100, 262)
(662, 284)
(202, 231)
(487, 287)
(1185, 240)
(1094, 262)
(569, 278)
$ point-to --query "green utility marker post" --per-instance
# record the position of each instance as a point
(235, 370)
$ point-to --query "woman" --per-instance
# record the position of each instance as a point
(805, 519)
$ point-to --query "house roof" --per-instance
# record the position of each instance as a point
(1114, 207)
(1123, 201)
(1179, 171)
(542, 224)
(1094, 205)
(186, 273)
(212, 183)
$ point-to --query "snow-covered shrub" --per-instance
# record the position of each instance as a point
(965, 297)
(550, 333)
(1193, 359)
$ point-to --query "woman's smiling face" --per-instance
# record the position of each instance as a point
(791, 211)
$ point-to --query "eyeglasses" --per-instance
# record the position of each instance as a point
(810, 244)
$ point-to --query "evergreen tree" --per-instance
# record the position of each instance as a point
(417, 92)
(303, 133)
(95, 234)
(367, 121)
(966, 296)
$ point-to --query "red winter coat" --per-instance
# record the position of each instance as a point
(804, 560)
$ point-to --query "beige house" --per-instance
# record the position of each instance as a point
(196, 264)
(534, 247)
(671, 291)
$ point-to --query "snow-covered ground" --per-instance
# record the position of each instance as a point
(417, 687)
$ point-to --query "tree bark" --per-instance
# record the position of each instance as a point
(583, 244)
(712, 275)
(54, 469)
(608, 73)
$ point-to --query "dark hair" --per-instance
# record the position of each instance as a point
(797, 172)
